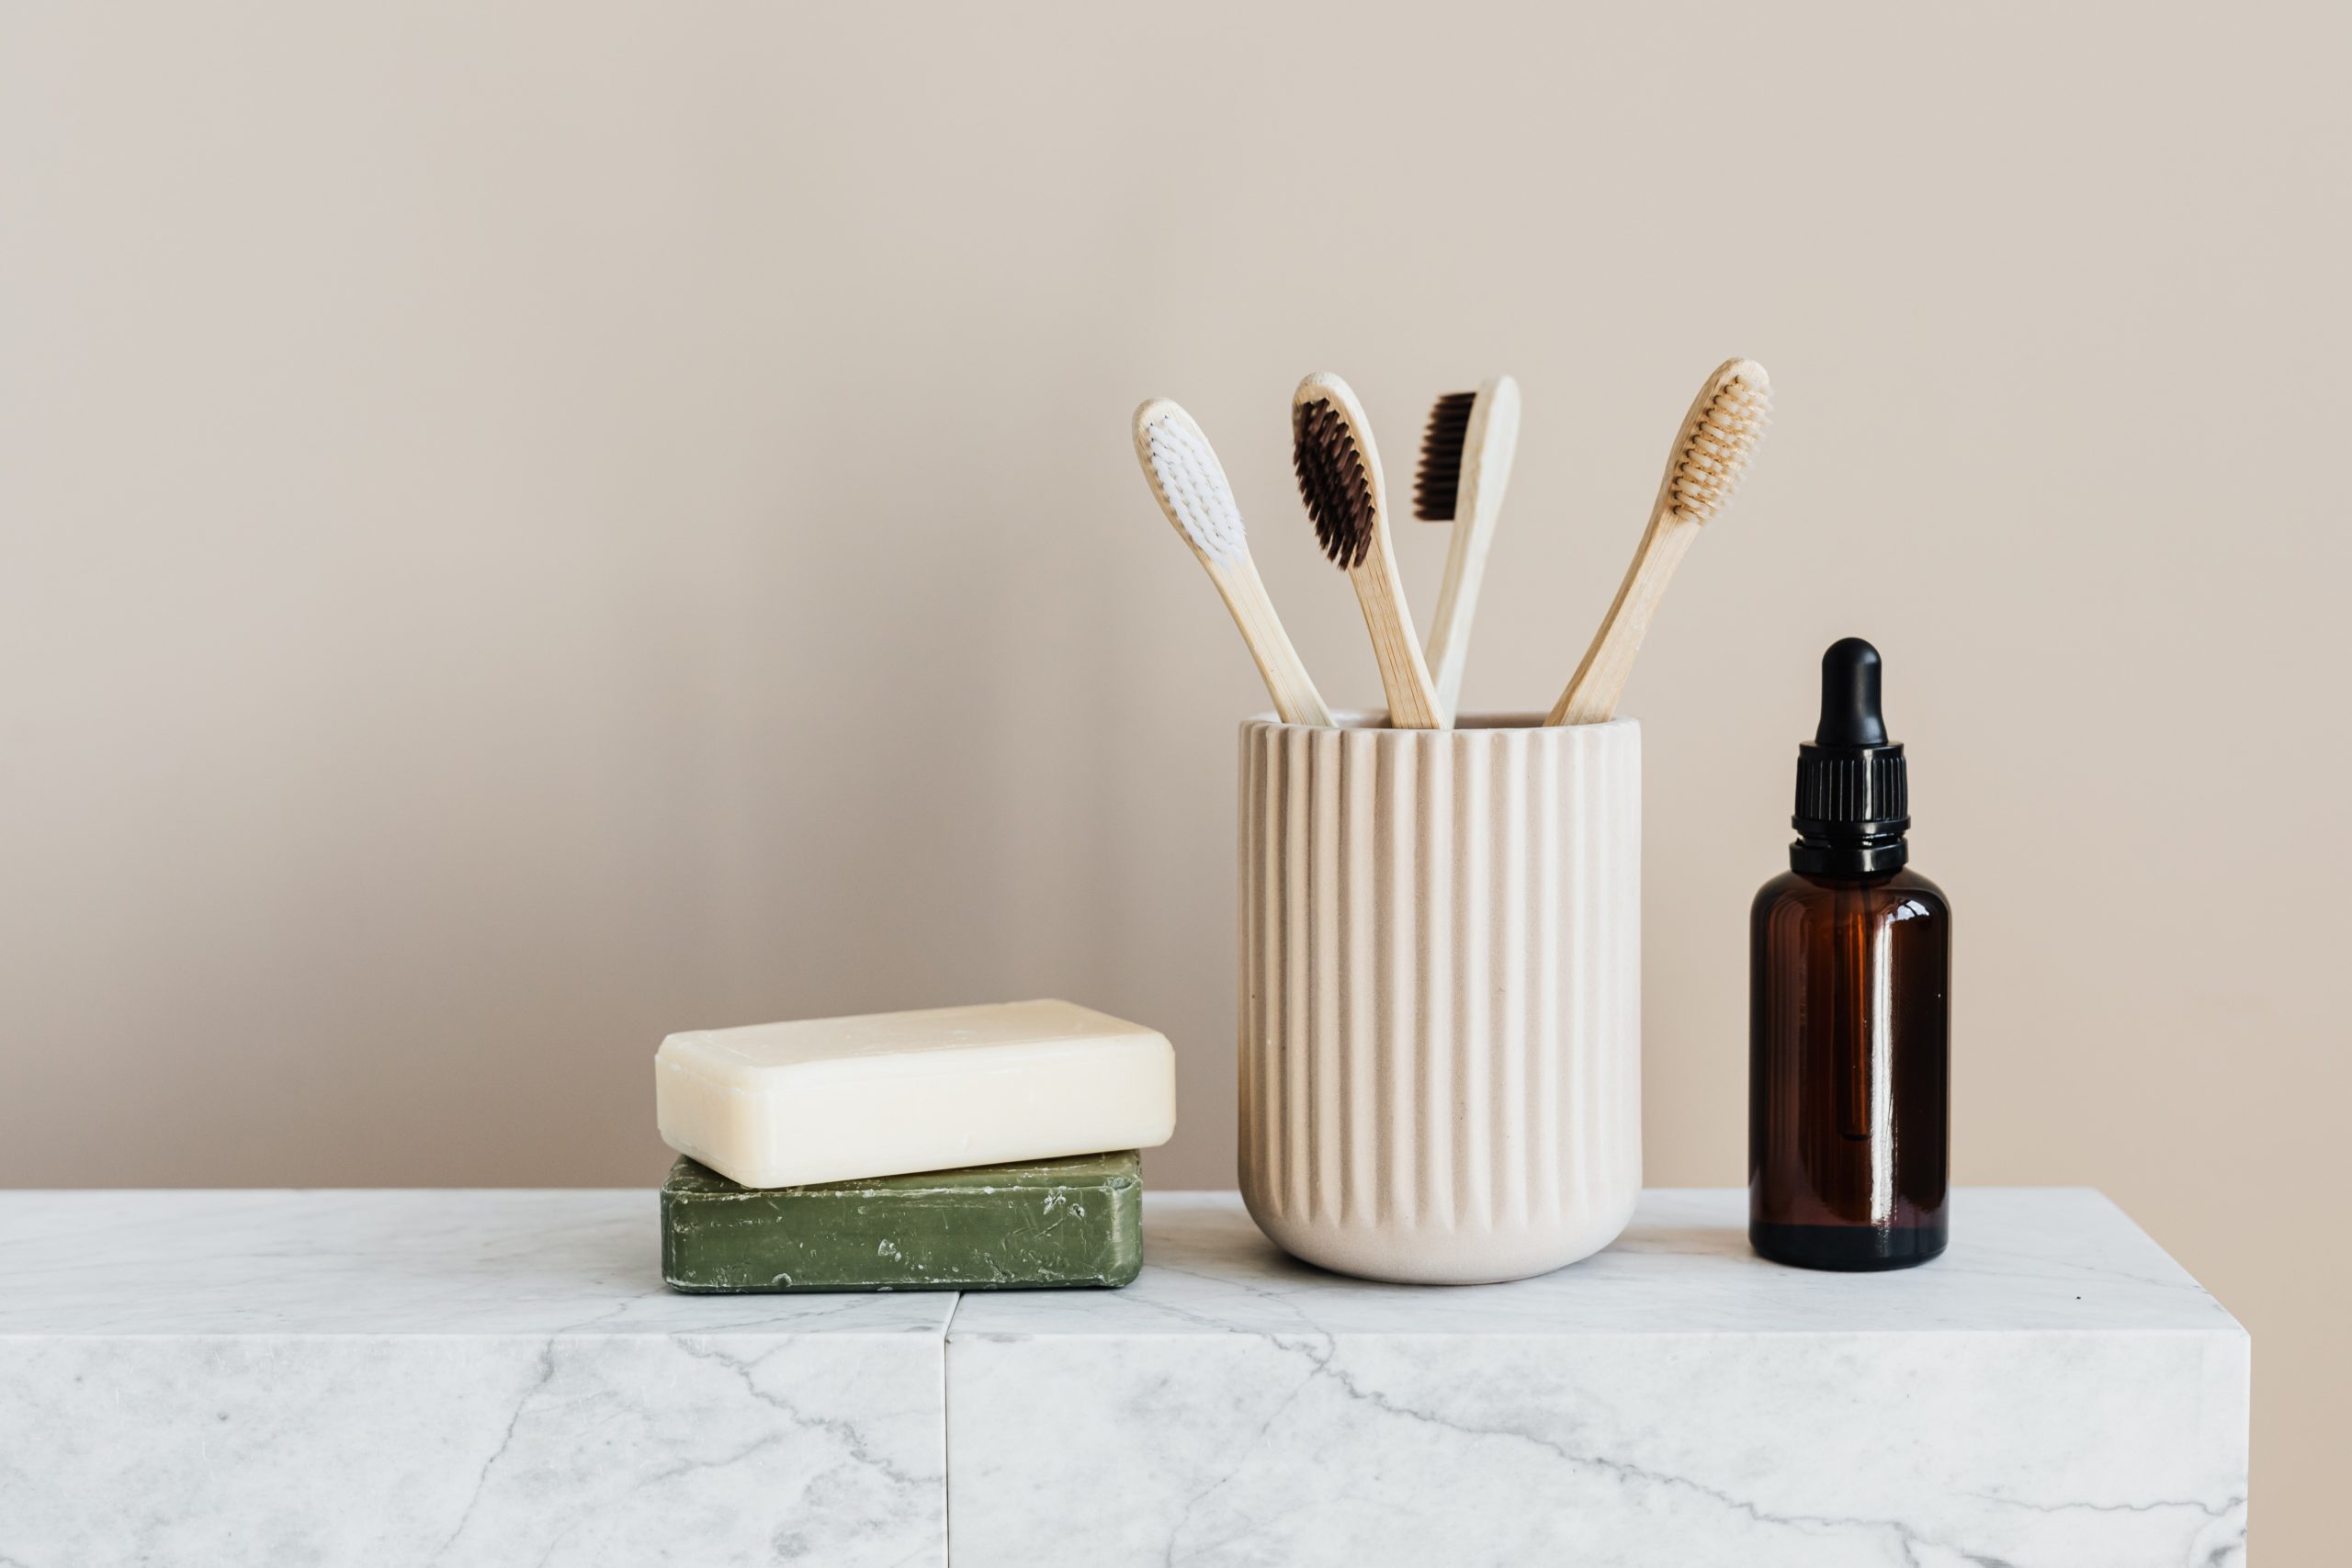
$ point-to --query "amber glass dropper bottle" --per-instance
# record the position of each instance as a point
(1849, 963)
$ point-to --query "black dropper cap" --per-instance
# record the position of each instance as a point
(1853, 798)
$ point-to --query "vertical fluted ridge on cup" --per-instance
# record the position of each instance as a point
(1440, 1018)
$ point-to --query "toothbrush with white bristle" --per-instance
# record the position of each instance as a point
(1712, 450)
(1190, 485)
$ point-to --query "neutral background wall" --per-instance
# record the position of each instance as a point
(529, 527)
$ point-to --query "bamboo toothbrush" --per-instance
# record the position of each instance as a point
(1466, 467)
(1190, 486)
(1710, 451)
(1339, 478)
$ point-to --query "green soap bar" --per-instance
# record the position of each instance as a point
(1038, 1225)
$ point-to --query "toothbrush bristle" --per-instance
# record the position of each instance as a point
(1437, 488)
(1332, 481)
(1720, 440)
(1188, 474)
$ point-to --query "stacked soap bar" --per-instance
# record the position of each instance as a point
(1055, 1223)
(972, 1149)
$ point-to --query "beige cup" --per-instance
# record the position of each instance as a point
(1440, 993)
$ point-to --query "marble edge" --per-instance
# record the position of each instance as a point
(2231, 1325)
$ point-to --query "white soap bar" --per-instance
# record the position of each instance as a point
(845, 1099)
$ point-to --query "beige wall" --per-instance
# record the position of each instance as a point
(529, 528)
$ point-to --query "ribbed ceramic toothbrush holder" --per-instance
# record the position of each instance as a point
(1440, 993)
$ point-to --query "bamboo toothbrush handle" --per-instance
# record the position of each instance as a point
(1412, 696)
(1295, 699)
(1487, 448)
(1599, 681)
(1457, 602)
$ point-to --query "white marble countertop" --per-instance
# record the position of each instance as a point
(210, 1379)
(393, 1377)
(2024, 1260)
(534, 1263)
(2054, 1393)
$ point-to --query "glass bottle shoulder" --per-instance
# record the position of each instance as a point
(1906, 893)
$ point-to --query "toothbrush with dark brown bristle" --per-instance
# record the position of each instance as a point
(1340, 480)
(1466, 467)
(1710, 452)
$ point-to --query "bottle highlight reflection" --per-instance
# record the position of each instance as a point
(1848, 1033)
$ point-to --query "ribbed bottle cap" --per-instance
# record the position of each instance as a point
(1854, 793)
